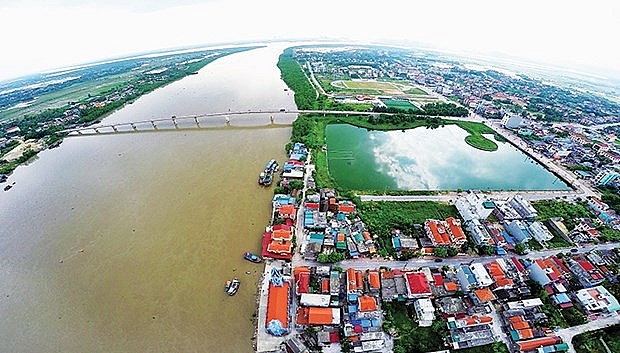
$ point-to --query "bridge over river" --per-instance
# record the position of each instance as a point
(208, 120)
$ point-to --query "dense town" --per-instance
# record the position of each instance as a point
(527, 302)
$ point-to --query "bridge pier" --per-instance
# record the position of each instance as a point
(174, 121)
(227, 120)
(114, 128)
(133, 126)
(97, 130)
(271, 118)
(154, 126)
(197, 123)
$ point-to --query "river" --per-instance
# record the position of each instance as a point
(123, 243)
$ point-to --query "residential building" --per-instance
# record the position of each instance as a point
(518, 230)
(598, 299)
(478, 232)
(540, 232)
(436, 231)
(586, 273)
(456, 232)
(417, 285)
(425, 311)
(512, 121)
(523, 207)
(605, 177)
(474, 206)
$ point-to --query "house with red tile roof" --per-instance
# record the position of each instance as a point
(417, 285)
(586, 273)
(456, 232)
(436, 232)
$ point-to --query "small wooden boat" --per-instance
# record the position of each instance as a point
(233, 287)
(252, 257)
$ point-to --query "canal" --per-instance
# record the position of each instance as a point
(123, 243)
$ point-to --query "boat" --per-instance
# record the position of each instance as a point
(252, 257)
(233, 287)
(266, 176)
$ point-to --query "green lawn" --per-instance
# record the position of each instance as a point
(417, 91)
(399, 104)
(375, 85)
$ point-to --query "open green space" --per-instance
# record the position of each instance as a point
(497, 347)
(374, 85)
(569, 211)
(400, 104)
(416, 91)
(383, 216)
(399, 319)
(590, 342)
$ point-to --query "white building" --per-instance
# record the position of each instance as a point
(474, 206)
(540, 232)
(478, 232)
(598, 299)
(425, 311)
(523, 207)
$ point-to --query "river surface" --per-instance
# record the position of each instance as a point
(429, 159)
(123, 243)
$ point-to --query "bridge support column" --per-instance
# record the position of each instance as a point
(133, 126)
(174, 121)
(79, 132)
(154, 126)
(114, 128)
(97, 130)
(197, 123)
(271, 118)
(227, 120)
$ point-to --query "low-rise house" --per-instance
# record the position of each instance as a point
(523, 207)
(518, 230)
(478, 232)
(425, 311)
(586, 273)
(417, 285)
(598, 299)
(474, 206)
(540, 232)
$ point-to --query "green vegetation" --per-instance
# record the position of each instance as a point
(569, 211)
(8, 167)
(590, 342)
(557, 242)
(296, 79)
(382, 216)
(330, 258)
(409, 336)
(416, 90)
(400, 105)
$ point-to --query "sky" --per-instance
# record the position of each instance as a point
(38, 35)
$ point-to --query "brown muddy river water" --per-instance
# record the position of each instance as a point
(123, 243)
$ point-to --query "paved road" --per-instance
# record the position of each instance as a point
(415, 263)
(567, 334)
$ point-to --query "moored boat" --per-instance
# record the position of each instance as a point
(252, 257)
(233, 287)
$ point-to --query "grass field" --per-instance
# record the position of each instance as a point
(399, 104)
(375, 85)
(416, 90)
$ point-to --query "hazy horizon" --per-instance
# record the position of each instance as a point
(51, 34)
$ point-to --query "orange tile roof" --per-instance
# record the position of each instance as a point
(351, 286)
(517, 318)
(358, 279)
(346, 208)
(282, 234)
(526, 333)
(484, 295)
(455, 229)
(287, 210)
(325, 285)
(320, 316)
(520, 325)
(538, 342)
(438, 232)
(277, 247)
(373, 279)
(451, 286)
(277, 304)
(366, 236)
(367, 303)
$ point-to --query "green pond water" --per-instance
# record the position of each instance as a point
(428, 159)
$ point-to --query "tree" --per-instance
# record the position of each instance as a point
(440, 252)
(453, 251)
(520, 248)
